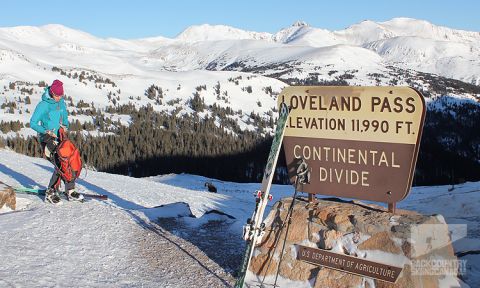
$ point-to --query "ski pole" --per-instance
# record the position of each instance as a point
(302, 177)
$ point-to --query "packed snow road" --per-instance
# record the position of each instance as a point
(96, 244)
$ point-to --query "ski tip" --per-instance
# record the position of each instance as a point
(96, 196)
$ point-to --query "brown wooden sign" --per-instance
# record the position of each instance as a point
(349, 264)
(359, 142)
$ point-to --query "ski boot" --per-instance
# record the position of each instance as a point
(51, 195)
(73, 195)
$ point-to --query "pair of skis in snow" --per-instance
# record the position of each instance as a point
(34, 191)
(254, 230)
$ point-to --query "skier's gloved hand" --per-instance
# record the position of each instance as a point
(49, 132)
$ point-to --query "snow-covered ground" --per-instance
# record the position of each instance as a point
(121, 243)
(116, 243)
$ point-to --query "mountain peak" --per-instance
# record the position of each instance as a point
(207, 32)
(299, 23)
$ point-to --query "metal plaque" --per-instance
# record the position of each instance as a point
(349, 264)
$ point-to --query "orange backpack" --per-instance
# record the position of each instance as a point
(70, 162)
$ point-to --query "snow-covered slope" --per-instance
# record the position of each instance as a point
(402, 42)
(446, 58)
(119, 242)
(413, 27)
(369, 31)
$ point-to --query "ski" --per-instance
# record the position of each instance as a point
(254, 229)
(42, 192)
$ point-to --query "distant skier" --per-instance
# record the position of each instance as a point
(51, 114)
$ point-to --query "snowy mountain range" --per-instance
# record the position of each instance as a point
(250, 67)
(408, 43)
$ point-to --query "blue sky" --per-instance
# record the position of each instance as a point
(142, 18)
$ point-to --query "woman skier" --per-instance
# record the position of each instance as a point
(51, 114)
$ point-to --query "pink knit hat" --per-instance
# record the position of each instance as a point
(57, 88)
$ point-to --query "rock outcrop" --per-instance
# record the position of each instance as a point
(406, 239)
(7, 196)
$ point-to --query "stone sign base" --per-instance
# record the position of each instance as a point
(417, 243)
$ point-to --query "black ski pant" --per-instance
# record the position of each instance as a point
(49, 147)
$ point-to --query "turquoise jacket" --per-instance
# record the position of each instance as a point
(49, 115)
